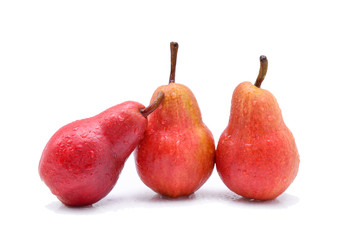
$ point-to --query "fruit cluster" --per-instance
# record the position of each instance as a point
(256, 156)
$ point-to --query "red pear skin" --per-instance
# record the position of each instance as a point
(177, 153)
(82, 161)
(256, 156)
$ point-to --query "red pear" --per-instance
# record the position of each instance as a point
(82, 161)
(256, 156)
(177, 153)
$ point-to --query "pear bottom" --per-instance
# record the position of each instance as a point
(259, 168)
(179, 163)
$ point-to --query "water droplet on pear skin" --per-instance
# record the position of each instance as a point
(56, 192)
(120, 118)
(84, 134)
(173, 95)
(79, 146)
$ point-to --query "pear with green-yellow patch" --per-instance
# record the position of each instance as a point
(177, 153)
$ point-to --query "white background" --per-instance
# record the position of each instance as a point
(66, 60)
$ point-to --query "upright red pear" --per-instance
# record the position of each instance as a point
(256, 155)
(82, 161)
(177, 153)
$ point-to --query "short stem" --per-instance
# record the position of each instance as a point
(263, 71)
(152, 107)
(173, 50)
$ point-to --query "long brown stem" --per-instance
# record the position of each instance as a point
(152, 107)
(173, 50)
(263, 71)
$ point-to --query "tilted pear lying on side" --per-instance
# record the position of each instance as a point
(256, 156)
(82, 161)
(177, 153)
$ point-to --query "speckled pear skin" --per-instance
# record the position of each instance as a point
(177, 153)
(82, 161)
(256, 156)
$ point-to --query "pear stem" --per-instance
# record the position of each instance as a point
(173, 50)
(153, 106)
(263, 71)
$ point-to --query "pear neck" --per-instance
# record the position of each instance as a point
(178, 110)
(254, 110)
